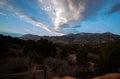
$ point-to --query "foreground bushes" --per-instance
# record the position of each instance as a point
(18, 55)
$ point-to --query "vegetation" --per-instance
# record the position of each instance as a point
(17, 55)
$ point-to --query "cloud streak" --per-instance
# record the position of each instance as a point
(26, 17)
(1, 13)
(69, 12)
(64, 14)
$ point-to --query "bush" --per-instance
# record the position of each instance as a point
(14, 65)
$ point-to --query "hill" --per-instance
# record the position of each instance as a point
(80, 38)
(75, 60)
(11, 34)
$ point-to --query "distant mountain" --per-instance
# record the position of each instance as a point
(31, 36)
(80, 38)
(11, 34)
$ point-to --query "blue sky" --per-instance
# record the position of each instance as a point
(59, 17)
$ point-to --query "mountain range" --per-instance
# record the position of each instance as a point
(80, 38)
(11, 34)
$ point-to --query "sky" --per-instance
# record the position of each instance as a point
(59, 17)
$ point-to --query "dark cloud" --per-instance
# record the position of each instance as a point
(71, 30)
(92, 7)
(115, 8)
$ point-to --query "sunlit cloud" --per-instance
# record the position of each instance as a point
(69, 12)
(64, 14)
(26, 17)
(63, 11)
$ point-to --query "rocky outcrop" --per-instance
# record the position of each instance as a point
(109, 76)
(65, 77)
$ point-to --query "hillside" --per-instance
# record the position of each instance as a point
(80, 38)
(59, 59)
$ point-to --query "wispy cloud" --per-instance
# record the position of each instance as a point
(69, 12)
(64, 14)
(26, 17)
(1, 13)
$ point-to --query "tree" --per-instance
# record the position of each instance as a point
(45, 48)
(82, 55)
(3, 47)
(114, 60)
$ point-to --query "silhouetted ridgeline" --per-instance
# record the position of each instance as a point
(80, 38)
(82, 60)
(11, 34)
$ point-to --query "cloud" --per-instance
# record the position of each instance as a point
(92, 7)
(69, 12)
(26, 17)
(3, 14)
(115, 8)
(63, 13)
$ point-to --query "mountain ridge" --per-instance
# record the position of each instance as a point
(11, 34)
(79, 38)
